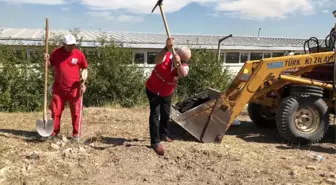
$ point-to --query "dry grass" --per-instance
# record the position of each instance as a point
(115, 151)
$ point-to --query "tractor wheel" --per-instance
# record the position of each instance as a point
(298, 90)
(306, 87)
(303, 119)
(261, 116)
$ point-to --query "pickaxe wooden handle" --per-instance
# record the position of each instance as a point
(159, 3)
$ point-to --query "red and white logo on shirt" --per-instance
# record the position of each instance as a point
(74, 61)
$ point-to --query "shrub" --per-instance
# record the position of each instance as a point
(113, 79)
(21, 79)
(205, 71)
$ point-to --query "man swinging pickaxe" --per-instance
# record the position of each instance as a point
(170, 66)
(183, 50)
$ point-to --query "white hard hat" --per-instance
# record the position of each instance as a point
(69, 40)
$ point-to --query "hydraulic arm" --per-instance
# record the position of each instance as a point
(209, 121)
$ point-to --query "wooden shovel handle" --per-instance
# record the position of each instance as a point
(46, 71)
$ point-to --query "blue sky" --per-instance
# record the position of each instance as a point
(286, 18)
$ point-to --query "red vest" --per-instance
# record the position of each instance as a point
(162, 81)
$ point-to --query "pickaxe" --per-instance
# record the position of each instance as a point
(159, 3)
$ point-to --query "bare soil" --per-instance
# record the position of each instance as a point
(115, 150)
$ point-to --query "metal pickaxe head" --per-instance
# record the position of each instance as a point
(159, 2)
(334, 12)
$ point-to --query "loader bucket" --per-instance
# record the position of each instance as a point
(197, 116)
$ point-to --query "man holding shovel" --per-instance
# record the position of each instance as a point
(67, 62)
(160, 87)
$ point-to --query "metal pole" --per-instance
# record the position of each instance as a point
(219, 43)
(259, 33)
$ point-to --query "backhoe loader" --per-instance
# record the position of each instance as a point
(295, 94)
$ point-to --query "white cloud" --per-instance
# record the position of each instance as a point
(325, 11)
(324, 3)
(65, 9)
(47, 2)
(106, 15)
(244, 9)
(215, 14)
(142, 7)
(262, 9)
(102, 14)
(128, 18)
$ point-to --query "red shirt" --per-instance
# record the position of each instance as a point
(163, 79)
(67, 67)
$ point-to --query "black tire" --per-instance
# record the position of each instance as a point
(307, 91)
(318, 95)
(298, 90)
(287, 127)
(306, 87)
(261, 116)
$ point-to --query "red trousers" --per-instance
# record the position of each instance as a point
(60, 97)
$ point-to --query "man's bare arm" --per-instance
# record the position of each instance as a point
(161, 55)
(181, 70)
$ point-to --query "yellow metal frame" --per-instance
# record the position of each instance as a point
(248, 85)
(256, 79)
(209, 121)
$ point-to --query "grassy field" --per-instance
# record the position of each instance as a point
(115, 150)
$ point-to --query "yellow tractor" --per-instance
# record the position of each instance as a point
(296, 94)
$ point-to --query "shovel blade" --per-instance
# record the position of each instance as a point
(205, 126)
(45, 127)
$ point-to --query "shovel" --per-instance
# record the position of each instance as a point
(84, 77)
(45, 126)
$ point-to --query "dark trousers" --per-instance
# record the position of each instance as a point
(159, 116)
